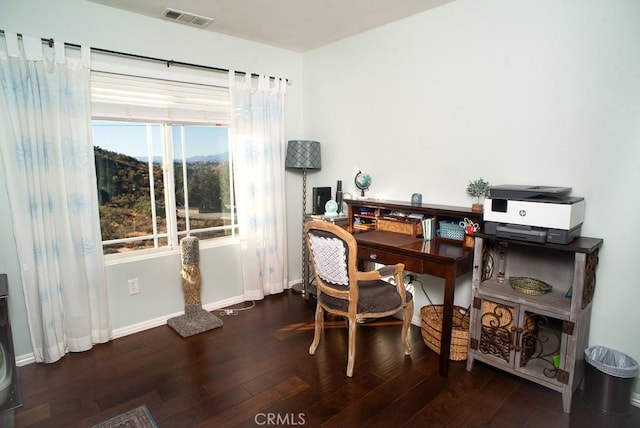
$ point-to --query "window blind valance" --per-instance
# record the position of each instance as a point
(116, 96)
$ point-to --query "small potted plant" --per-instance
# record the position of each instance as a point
(478, 189)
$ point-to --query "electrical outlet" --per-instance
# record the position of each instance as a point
(133, 286)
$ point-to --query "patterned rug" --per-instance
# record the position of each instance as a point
(140, 417)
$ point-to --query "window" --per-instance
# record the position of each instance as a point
(161, 174)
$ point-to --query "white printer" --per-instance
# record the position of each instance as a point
(533, 213)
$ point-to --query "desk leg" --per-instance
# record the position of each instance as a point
(447, 319)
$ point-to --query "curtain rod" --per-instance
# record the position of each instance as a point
(169, 62)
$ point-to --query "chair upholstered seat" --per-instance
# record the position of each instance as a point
(374, 297)
(345, 291)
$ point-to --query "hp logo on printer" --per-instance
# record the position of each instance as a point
(522, 213)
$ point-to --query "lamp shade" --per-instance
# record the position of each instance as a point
(303, 154)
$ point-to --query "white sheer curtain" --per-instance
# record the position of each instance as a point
(257, 134)
(47, 154)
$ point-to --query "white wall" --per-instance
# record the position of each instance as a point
(83, 22)
(514, 91)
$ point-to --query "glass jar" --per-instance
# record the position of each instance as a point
(501, 263)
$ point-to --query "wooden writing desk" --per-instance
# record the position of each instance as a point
(439, 259)
(442, 258)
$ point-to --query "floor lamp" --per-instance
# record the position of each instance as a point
(304, 155)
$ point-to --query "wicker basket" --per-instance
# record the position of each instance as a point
(451, 230)
(432, 330)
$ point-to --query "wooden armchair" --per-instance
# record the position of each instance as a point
(345, 291)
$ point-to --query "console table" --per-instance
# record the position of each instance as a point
(440, 257)
(538, 336)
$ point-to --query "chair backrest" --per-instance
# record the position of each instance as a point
(332, 251)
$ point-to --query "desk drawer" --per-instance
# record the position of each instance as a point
(412, 264)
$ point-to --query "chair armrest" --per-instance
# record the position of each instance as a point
(383, 272)
(397, 271)
(391, 269)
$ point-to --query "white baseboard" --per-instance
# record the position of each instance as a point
(416, 320)
(26, 359)
(23, 360)
(146, 325)
(635, 399)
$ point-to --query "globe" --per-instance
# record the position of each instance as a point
(363, 181)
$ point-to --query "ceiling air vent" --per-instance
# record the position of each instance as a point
(186, 18)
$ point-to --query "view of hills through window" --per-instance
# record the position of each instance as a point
(145, 205)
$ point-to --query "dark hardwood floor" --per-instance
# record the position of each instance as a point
(257, 367)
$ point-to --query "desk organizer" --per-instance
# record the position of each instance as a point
(406, 227)
(451, 230)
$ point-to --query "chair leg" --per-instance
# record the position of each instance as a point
(318, 330)
(408, 315)
(352, 346)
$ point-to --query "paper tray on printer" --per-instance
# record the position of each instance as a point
(532, 234)
(521, 233)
